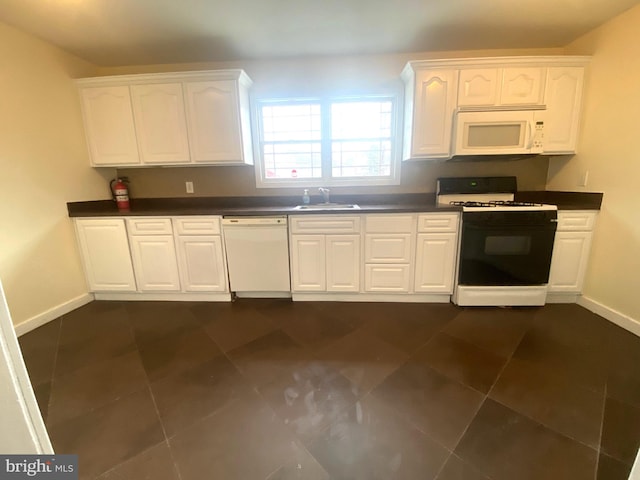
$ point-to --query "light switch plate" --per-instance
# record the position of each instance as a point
(189, 187)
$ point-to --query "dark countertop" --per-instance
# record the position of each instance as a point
(285, 205)
(564, 200)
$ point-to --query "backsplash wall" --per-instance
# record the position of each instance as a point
(417, 177)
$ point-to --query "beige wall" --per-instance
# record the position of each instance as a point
(44, 164)
(609, 152)
(312, 76)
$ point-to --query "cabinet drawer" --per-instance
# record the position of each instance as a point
(387, 248)
(438, 222)
(325, 224)
(197, 225)
(578, 220)
(149, 226)
(389, 223)
(387, 278)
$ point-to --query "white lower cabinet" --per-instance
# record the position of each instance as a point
(201, 263)
(155, 264)
(388, 248)
(343, 263)
(308, 264)
(436, 252)
(435, 262)
(154, 255)
(325, 253)
(201, 257)
(105, 254)
(571, 251)
(325, 263)
(386, 278)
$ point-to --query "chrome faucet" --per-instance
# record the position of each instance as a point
(325, 194)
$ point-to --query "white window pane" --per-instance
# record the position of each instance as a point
(361, 120)
(364, 158)
(291, 122)
(292, 160)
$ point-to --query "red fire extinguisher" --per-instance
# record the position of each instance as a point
(120, 193)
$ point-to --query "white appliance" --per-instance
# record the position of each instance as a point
(257, 256)
(505, 246)
(499, 132)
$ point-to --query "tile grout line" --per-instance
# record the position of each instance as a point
(486, 396)
(55, 362)
(604, 407)
(153, 399)
(526, 415)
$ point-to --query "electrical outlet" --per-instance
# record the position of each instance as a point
(584, 178)
(189, 187)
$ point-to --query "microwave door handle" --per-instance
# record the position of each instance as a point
(530, 131)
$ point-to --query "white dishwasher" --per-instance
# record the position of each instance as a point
(257, 255)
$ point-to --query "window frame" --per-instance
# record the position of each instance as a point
(326, 179)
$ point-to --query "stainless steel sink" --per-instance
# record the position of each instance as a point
(328, 206)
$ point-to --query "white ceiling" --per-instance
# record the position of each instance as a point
(140, 32)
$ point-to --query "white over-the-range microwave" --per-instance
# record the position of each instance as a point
(499, 132)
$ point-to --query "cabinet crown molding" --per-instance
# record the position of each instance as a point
(510, 61)
(147, 78)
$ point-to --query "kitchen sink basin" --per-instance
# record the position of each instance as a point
(328, 206)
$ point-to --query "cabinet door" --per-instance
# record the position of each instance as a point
(201, 263)
(387, 248)
(308, 263)
(522, 86)
(435, 262)
(478, 87)
(108, 123)
(435, 101)
(154, 261)
(160, 123)
(343, 263)
(213, 118)
(105, 254)
(569, 261)
(387, 278)
(563, 97)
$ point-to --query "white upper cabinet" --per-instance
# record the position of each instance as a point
(180, 118)
(522, 86)
(108, 123)
(160, 123)
(486, 87)
(563, 97)
(217, 134)
(478, 87)
(430, 101)
(436, 89)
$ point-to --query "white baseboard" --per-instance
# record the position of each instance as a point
(610, 314)
(553, 297)
(53, 313)
(168, 297)
(371, 297)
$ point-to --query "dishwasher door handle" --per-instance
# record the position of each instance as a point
(254, 221)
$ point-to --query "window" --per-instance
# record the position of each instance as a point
(347, 141)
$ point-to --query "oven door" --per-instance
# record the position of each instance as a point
(508, 252)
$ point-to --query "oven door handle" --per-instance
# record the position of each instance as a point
(552, 225)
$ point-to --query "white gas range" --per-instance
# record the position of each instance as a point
(505, 246)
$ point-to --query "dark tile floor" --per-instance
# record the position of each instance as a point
(269, 389)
